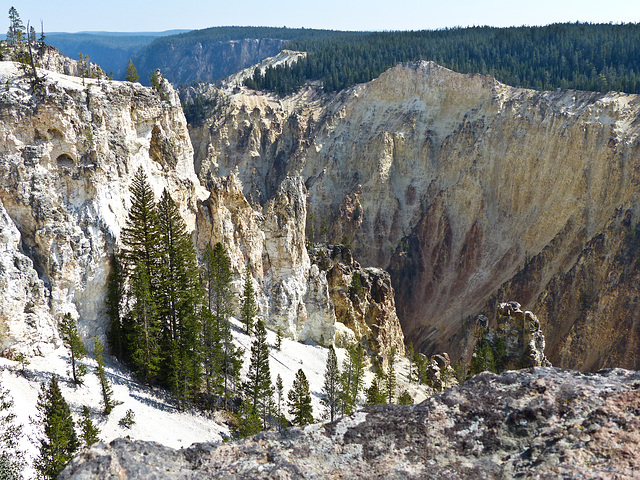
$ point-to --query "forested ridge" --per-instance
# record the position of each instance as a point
(597, 57)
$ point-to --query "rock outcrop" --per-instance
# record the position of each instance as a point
(523, 340)
(538, 423)
(292, 294)
(67, 157)
(363, 299)
(466, 190)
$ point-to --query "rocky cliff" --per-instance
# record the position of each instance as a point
(184, 62)
(468, 191)
(541, 423)
(67, 157)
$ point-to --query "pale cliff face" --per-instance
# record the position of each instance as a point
(66, 160)
(451, 181)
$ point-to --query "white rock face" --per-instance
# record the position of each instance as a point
(291, 293)
(66, 162)
(24, 303)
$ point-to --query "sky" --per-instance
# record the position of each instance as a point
(161, 15)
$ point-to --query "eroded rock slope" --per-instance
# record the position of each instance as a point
(467, 190)
(67, 157)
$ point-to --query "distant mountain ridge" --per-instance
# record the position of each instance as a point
(111, 50)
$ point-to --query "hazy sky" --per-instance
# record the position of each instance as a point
(159, 15)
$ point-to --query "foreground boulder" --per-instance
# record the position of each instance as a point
(542, 423)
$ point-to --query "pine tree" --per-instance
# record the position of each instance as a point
(16, 33)
(248, 307)
(280, 419)
(375, 393)
(132, 72)
(331, 388)
(156, 80)
(279, 339)
(226, 357)
(90, 433)
(57, 440)
(249, 422)
(405, 398)
(300, 407)
(180, 299)
(351, 379)
(11, 457)
(114, 302)
(258, 389)
(107, 392)
(140, 255)
(410, 355)
(390, 378)
(71, 340)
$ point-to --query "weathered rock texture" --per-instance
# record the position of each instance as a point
(540, 423)
(363, 299)
(291, 293)
(49, 58)
(524, 341)
(515, 337)
(455, 184)
(67, 157)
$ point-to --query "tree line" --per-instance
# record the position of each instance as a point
(583, 56)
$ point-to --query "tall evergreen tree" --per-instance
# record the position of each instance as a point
(57, 440)
(248, 307)
(331, 388)
(390, 378)
(107, 392)
(114, 303)
(140, 239)
(299, 397)
(16, 32)
(90, 433)
(71, 340)
(132, 72)
(11, 457)
(180, 301)
(351, 379)
(258, 389)
(216, 275)
(280, 419)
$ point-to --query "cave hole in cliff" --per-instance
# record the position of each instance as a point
(65, 160)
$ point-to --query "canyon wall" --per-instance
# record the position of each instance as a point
(67, 157)
(468, 191)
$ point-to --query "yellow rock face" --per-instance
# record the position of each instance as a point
(466, 190)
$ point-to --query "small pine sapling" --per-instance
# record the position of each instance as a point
(405, 398)
(89, 431)
(107, 392)
(279, 339)
(128, 420)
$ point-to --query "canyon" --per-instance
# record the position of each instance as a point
(468, 191)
